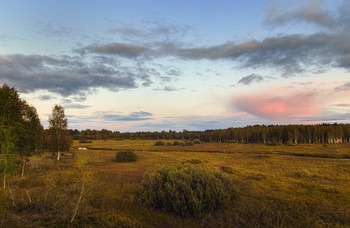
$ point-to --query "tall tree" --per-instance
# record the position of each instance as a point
(20, 130)
(58, 124)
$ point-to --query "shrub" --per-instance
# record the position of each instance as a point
(189, 143)
(126, 156)
(85, 141)
(196, 141)
(187, 190)
(159, 143)
(168, 144)
(176, 143)
(272, 143)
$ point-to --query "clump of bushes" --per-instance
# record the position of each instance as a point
(189, 143)
(126, 156)
(85, 141)
(168, 144)
(196, 141)
(159, 143)
(272, 143)
(187, 190)
(176, 143)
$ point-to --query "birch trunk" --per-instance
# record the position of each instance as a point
(24, 164)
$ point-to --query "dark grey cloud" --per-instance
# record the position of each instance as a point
(289, 54)
(69, 76)
(250, 79)
(45, 97)
(134, 116)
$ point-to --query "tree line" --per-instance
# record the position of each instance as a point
(319, 133)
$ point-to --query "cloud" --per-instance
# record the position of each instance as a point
(250, 79)
(343, 105)
(134, 116)
(49, 28)
(45, 97)
(310, 12)
(168, 89)
(345, 87)
(278, 107)
(289, 54)
(120, 49)
(152, 30)
(76, 106)
(70, 76)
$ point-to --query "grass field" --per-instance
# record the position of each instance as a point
(277, 186)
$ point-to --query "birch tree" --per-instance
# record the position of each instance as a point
(58, 124)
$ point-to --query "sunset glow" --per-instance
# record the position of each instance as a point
(137, 66)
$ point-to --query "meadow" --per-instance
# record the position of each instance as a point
(298, 185)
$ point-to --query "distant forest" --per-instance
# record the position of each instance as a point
(321, 133)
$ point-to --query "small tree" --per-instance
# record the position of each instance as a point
(58, 124)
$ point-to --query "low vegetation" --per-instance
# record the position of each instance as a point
(126, 156)
(187, 190)
(159, 143)
(279, 186)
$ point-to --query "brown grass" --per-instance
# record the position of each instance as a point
(279, 186)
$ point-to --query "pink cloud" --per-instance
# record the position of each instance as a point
(279, 107)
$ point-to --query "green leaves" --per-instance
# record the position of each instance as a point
(187, 190)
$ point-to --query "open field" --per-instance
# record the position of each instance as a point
(277, 186)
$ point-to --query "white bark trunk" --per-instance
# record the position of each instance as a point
(24, 164)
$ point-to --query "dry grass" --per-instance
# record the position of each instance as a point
(279, 186)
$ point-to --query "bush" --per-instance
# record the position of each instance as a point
(176, 143)
(85, 141)
(196, 141)
(159, 143)
(126, 156)
(187, 190)
(168, 144)
(272, 144)
(189, 143)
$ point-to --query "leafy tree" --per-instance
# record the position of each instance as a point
(20, 130)
(59, 139)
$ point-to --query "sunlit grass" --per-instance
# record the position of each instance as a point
(299, 185)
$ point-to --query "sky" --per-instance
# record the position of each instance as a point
(157, 65)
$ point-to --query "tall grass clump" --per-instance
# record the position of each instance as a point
(159, 143)
(187, 190)
(126, 156)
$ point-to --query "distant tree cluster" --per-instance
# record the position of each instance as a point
(320, 133)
